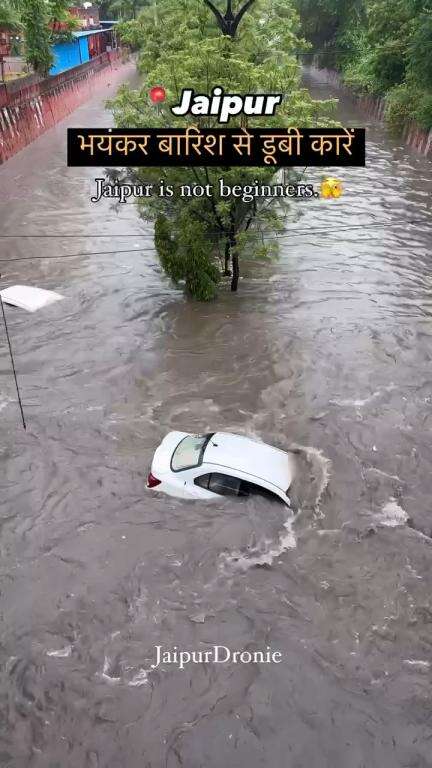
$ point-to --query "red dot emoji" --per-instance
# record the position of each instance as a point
(157, 94)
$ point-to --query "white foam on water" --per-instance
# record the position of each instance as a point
(105, 675)
(264, 553)
(417, 663)
(412, 571)
(361, 402)
(377, 471)
(329, 531)
(139, 679)
(308, 488)
(317, 457)
(61, 653)
(392, 514)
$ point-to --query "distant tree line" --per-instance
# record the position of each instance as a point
(121, 10)
(382, 47)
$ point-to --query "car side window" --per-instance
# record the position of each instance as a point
(203, 481)
(225, 485)
(251, 489)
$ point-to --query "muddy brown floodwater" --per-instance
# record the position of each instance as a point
(329, 348)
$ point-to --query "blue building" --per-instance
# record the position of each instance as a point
(81, 48)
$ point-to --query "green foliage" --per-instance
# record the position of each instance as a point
(167, 247)
(422, 110)
(61, 22)
(181, 47)
(408, 102)
(121, 9)
(420, 51)
(35, 20)
(388, 66)
(328, 25)
(400, 102)
(187, 256)
(382, 47)
(38, 20)
(9, 15)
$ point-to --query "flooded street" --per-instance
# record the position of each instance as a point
(328, 348)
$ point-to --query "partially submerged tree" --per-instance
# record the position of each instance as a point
(200, 238)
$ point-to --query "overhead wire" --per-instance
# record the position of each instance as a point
(287, 233)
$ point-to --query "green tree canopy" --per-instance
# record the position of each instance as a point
(40, 21)
(120, 9)
(181, 46)
(35, 18)
(9, 14)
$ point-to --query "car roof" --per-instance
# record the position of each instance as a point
(244, 454)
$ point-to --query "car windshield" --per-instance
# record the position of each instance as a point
(189, 452)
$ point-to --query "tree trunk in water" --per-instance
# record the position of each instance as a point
(235, 264)
(227, 271)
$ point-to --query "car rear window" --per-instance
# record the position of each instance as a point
(189, 452)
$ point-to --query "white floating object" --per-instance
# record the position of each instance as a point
(392, 514)
(62, 653)
(29, 298)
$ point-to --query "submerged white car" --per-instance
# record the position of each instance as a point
(220, 464)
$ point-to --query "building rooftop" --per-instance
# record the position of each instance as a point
(88, 32)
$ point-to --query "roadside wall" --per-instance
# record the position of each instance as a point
(29, 106)
(415, 137)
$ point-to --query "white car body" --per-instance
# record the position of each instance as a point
(190, 466)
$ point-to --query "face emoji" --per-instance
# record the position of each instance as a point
(331, 187)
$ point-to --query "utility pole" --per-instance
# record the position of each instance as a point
(20, 405)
